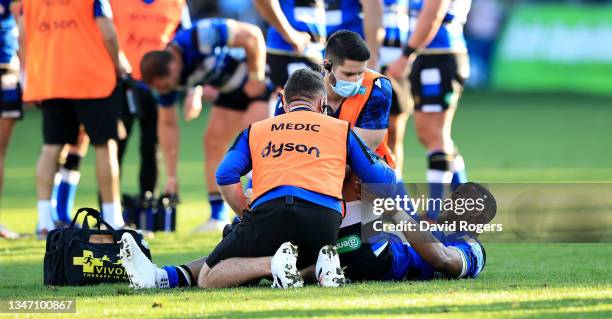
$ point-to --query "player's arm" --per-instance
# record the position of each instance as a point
(368, 167)
(373, 171)
(373, 122)
(16, 8)
(428, 24)
(168, 133)
(446, 260)
(103, 16)
(271, 11)
(249, 37)
(372, 138)
(429, 21)
(373, 28)
(235, 164)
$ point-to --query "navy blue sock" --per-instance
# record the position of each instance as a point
(65, 194)
(439, 177)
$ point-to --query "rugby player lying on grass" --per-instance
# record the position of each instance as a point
(427, 255)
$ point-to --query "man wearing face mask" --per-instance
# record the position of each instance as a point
(298, 161)
(355, 93)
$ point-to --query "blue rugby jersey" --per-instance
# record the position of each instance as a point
(408, 264)
(343, 15)
(450, 35)
(303, 15)
(207, 59)
(395, 22)
(8, 33)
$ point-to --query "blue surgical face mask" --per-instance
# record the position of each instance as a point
(346, 88)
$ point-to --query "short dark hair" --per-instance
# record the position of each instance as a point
(478, 192)
(304, 84)
(343, 45)
(155, 64)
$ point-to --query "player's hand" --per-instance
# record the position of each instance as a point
(124, 68)
(193, 103)
(210, 93)
(171, 186)
(248, 194)
(399, 68)
(254, 88)
(298, 40)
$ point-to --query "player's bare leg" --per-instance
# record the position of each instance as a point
(6, 130)
(397, 130)
(233, 272)
(107, 174)
(223, 126)
(434, 132)
(45, 171)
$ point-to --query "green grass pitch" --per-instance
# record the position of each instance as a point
(503, 137)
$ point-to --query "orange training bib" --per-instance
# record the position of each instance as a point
(303, 149)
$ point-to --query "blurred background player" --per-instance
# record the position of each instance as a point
(10, 90)
(440, 68)
(364, 17)
(295, 37)
(143, 26)
(395, 22)
(76, 83)
(204, 55)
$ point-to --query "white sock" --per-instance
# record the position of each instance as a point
(161, 278)
(69, 176)
(112, 214)
(45, 219)
(438, 176)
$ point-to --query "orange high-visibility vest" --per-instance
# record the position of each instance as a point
(143, 27)
(303, 149)
(350, 111)
(65, 52)
(352, 107)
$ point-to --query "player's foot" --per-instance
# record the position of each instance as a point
(284, 268)
(41, 233)
(7, 233)
(328, 270)
(212, 225)
(140, 270)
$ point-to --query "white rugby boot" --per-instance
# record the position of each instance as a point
(328, 270)
(284, 268)
(140, 270)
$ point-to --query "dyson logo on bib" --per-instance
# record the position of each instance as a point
(277, 150)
